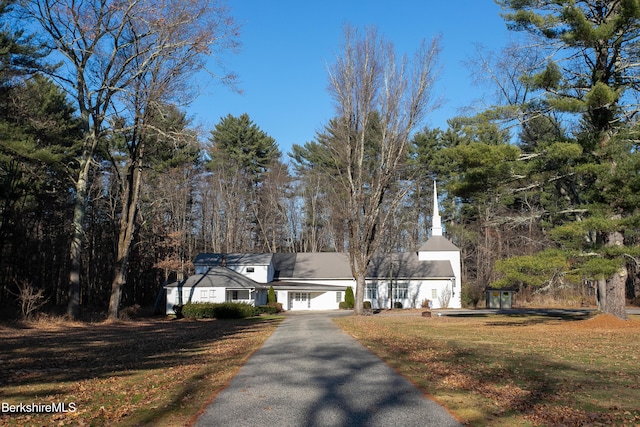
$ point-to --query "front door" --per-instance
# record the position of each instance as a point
(299, 300)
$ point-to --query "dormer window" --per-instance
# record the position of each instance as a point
(250, 269)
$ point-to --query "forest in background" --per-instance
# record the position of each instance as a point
(107, 190)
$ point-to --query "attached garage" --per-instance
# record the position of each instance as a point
(299, 301)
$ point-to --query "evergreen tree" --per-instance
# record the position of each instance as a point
(39, 133)
(349, 298)
(240, 141)
(251, 183)
(593, 45)
(592, 72)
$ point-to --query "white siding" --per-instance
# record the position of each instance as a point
(417, 292)
(325, 300)
(176, 296)
(454, 258)
(310, 300)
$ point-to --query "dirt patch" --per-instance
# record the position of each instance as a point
(605, 321)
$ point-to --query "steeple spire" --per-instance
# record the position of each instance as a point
(436, 226)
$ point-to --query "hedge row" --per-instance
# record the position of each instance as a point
(224, 310)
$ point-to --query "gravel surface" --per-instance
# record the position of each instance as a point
(310, 373)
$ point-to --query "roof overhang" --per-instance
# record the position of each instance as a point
(305, 287)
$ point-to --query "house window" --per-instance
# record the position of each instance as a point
(401, 290)
(203, 294)
(434, 294)
(250, 269)
(338, 296)
(238, 295)
(371, 291)
(211, 293)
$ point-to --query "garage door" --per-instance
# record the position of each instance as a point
(299, 300)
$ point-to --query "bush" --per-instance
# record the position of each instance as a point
(366, 305)
(271, 295)
(197, 310)
(472, 295)
(349, 299)
(233, 310)
(222, 310)
(270, 308)
(130, 312)
(277, 305)
(343, 306)
(267, 309)
(397, 304)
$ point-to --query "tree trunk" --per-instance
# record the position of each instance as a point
(131, 194)
(116, 290)
(359, 263)
(359, 297)
(73, 306)
(601, 294)
(615, 295)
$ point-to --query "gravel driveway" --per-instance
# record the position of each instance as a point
(310, 373)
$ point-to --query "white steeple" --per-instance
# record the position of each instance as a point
(436, 226)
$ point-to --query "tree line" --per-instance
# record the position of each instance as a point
(107, 190)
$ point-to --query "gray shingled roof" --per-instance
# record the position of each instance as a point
(321, 265)
(332, 265)
(438, 243)
(407, 266)
(283, 264)
(290, 267)
(219, 277)
(214, 259)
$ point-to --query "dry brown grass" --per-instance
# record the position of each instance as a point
(149, 372)
(498, 370)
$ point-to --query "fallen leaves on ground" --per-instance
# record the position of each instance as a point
(150, 372)
(508, 370)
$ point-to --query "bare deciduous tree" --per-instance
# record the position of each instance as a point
(369, 83)
(109, 47)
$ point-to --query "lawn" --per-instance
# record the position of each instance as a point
(488, 370)
(515, 370)
(136, 373)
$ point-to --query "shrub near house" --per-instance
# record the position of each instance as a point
(225, 310)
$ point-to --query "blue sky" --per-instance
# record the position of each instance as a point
(288, 45)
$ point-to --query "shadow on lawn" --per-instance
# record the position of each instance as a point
(73, 353)
(546, 391)
(524, 317)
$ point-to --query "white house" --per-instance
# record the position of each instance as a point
(215, 284)
(317, 281)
